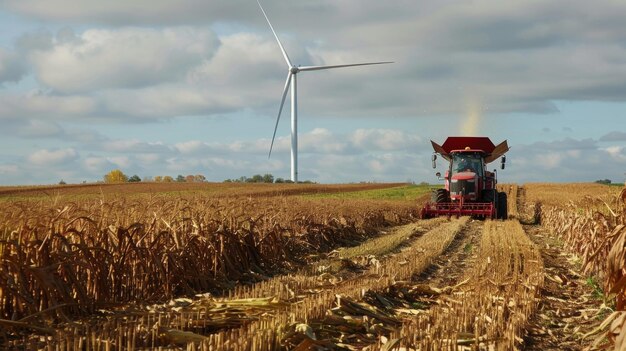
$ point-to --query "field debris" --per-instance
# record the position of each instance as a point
(268, 271)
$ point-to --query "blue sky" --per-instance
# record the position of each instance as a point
(186, 87)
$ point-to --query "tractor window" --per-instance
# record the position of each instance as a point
(467, 163)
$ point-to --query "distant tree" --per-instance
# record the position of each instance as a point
(279, 180)
(257, 178)
(288, 181)
(168, 179)
(115, 176)
(603, 181)
(180, 178)
(134, 179)
(190, 178)
(62, 182)
(228, 180)
(199, 178)
(242, 179)
(158, 179)
(268, 178)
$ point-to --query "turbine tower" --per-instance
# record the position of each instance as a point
(292, 81)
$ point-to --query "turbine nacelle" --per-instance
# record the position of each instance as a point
(294, 69)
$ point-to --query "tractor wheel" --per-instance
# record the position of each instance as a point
(502, 206)
(440, 196)
(490, 196)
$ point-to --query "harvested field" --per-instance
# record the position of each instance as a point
(342, 268)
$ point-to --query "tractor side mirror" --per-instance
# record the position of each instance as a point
(434, 159)
(438, 174)
(503, 162)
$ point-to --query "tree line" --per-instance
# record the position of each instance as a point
(117, 176)
(266, 178)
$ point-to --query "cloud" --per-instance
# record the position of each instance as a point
(614, 136)
(11, 67)
(100, 59)
(618, 153)
(133, 146)
(46, 157)
(42, 105)
(39, 129)
(96, 164)
(117, 63)
(569, 159)
(192, 146)
(384, 140)
(513, 57)
(8, 169)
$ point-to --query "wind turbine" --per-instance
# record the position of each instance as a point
(291, 80)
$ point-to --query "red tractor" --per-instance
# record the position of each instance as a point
(470, 190)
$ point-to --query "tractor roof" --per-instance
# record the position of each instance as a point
(473, 144)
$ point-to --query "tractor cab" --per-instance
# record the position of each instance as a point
(464, 162)
(465, 177)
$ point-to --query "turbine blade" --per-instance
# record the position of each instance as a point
(275, 36)
(317, 68)
(280, 109)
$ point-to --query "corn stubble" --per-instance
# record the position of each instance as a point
(269, 315)
(96, 275)
(61, 261)
(593, 225)
(491, 310)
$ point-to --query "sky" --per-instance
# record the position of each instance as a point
(164, 87)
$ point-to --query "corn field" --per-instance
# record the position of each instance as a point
(257, 267)
(592, 223)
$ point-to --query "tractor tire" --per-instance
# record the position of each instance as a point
(502, 209)
(440, 196)
(490, 195)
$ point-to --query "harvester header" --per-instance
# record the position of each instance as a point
(470, 189)
(476, 144)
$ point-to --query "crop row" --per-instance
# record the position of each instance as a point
(257, 317)
(490, 311)
(76, 257)
(594, 228)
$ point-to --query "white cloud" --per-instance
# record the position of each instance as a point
(190, 146)
(101, 59)
(39, 129)
(53, 157)
(319, 140)
(384, 139)
(39, 105)
(120, 161)
(618, 153)
(133, 146)
(96, 164)
(550, 160)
